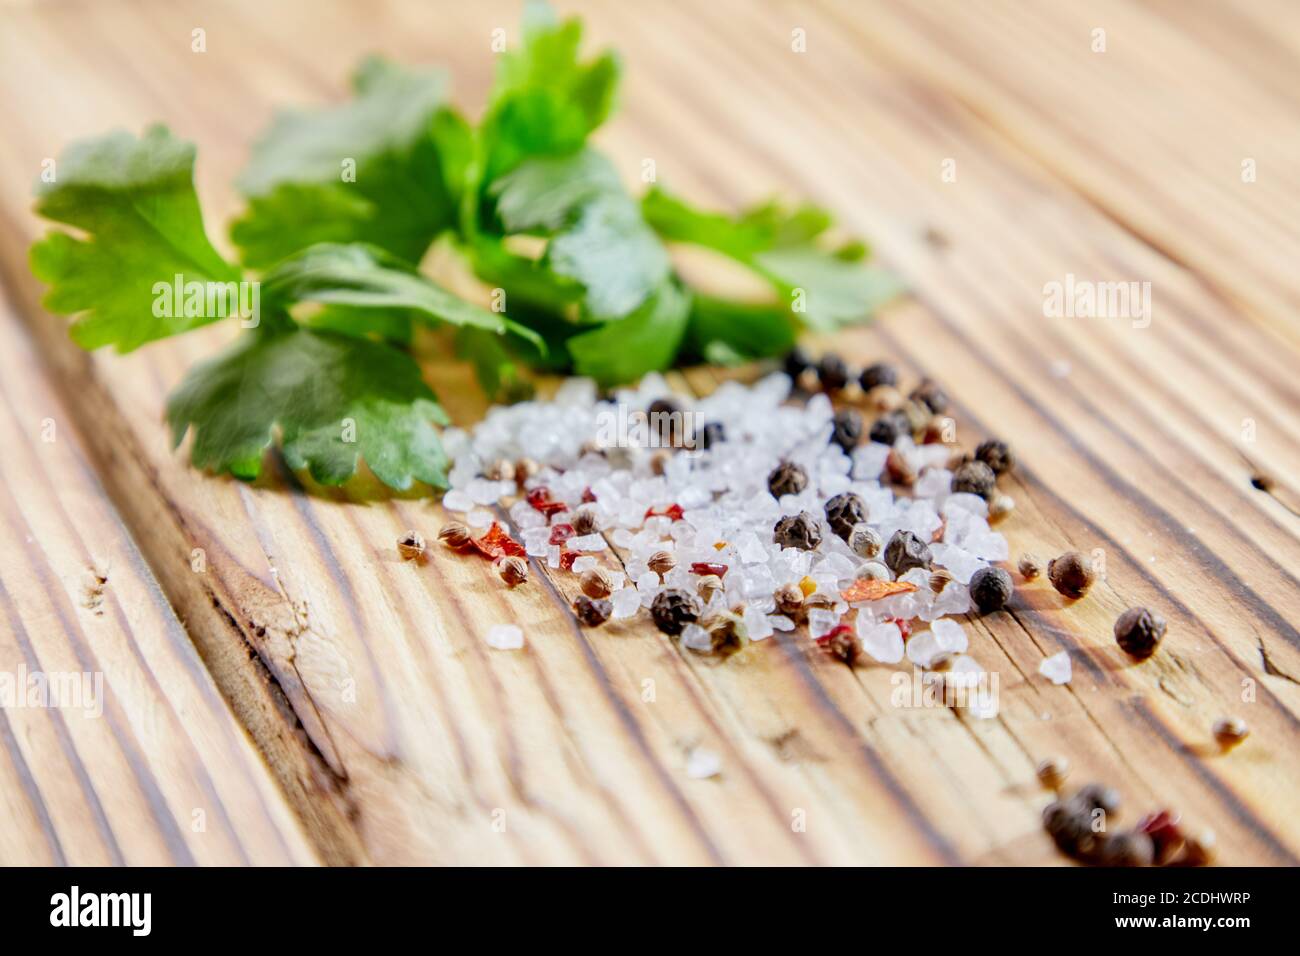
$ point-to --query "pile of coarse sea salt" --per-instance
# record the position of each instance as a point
(727, 513)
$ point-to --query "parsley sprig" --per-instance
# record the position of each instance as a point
(344, 204)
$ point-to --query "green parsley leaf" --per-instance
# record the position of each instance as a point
(388, 136)
(545, 193)
(135, 200)
(835, 292)
(731, 333)
(319, 390)
(645, 341)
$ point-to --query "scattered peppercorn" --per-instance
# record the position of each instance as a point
(1132, 848)
(789, 600)
(455, 535)
(865, 541)
(1029, 567)
(929, 393)
(905, 552)
(1262, 482)
(664, 418)
(512, 569)
(672, 609)
(796, 363)
(596, 583)
(1098, 796)
(884, 398)
(898, 469)
(889, 427)
(832, 373)
(974, 478)
(659, 462)
(584, 521)
(500, 470)
(990, 589)
(1071, 574)
(526, 468)
(916, 414)
(591, 612)
(844, 512)
(787, 478)
(1052, 772)
(411, 546)
(939, 580)
(713, 433)
(1230, 731)
(846, 429)
(997, 454)
(661, 562)
(798, 531)
(878, 373)
(1139, 632)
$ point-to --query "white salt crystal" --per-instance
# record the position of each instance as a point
(757, 626)
(882, 641)
(588, 542)
(923, 648)
(702, 764)
(750, 549)
(626, 602)
(696, 638)
(505, 637)
(821, 622)
(584, 563)
(780, 622)
(949, 635)
(553, 556)
(1056, 668)
(457, 500)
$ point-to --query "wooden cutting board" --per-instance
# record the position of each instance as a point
(987, 150)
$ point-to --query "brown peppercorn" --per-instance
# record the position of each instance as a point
(797, 531)
(591, 612)
(708, 585)
(526, 468)
(1029, 567)
(584, 521)
(877, 374)
(1097, 796)
(1230, 731)
(500, 470)
(990, 589)
(832, 373)
(1071, 574)
(974, 478)
(939, 580)
(899, 469)
(1139, 632)
(1131, 848)
(661, 562)
(512, 569)
(787, 479)
(846, 429)
(931, 395)
(884, 398)
(997, 455)
(844, 512)
(917, 415)
(454, 535)
(789, 600)
(672, 609)
(1052, 772)
(411, 546)
(905, 552)
(595, 583)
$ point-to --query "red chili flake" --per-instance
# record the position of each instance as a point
(567, 559)
(561, 532)
(904, 626)
(833, 633)
(707, 567)
(1165, 832)
(588, 496)
(496, 543)
(540, 498)
(673, 511)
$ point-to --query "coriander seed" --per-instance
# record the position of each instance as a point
(939, 580)
(865, 541)
(844, 512)
(1052, 772)
(591, 612)
(789, 600)
(661, 562)
(906, 551)
(876, 374)
(411, 546)
(526, 468)
(1071, 574)
(1139, 632)
(1230, 731)
(990, 589)
(884, 398)
(1029, 567)
(787, 479)
(974, 478)
(997, 455)
(832, 373)
(672, 609)
(708, 586)
(846, 429)
(500, 470)
(455, 535)
(512, 569)
(596, 583)
(797, 531)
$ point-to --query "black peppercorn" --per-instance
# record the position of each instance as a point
(797, 531)
(832, 373)
(1071, 574)
(974, 478)
(796, 363)
(888, 428)
(997, 455)
(1133, 848)
(843, 512)
(880, 373)
(931, 395)
(990, 589)
(787, 479)
(846, 429)
(1139, 631)
(711, 434)
(672, 609)
(906, 551)
(664, 418)
(1097, 796)
(591, 612)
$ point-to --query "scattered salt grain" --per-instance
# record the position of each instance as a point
(505, 637)
(883, 641)
(702, 764)
(1056, 668)
(626, 602)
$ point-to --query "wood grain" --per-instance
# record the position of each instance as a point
(398, 736)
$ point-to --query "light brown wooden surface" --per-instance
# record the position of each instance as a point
(405, 739)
